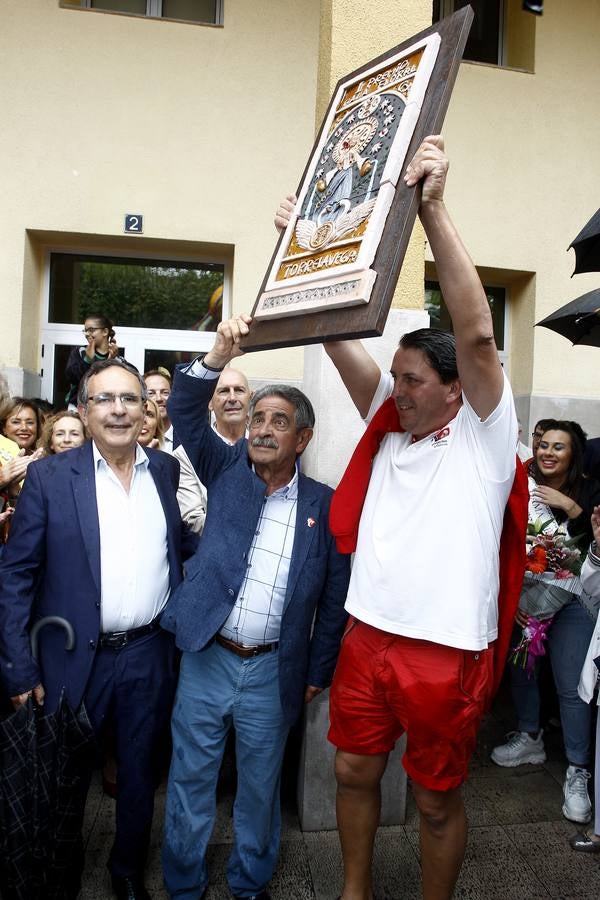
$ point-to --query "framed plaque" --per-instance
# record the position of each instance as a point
(335, 267)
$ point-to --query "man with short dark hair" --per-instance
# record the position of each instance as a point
(423, 503)
(96, 539)
(158, 385)
(259, 619)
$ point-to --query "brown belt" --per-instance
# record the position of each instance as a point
(245, 652)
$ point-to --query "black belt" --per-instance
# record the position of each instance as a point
(116, 640)
(245, 652)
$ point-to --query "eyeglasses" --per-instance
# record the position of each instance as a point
(106, 400)
(91, 330)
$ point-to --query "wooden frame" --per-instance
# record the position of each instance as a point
(334, 270)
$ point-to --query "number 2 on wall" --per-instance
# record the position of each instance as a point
(134, 224)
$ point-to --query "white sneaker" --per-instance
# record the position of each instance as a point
(520, 748)
(577, 806)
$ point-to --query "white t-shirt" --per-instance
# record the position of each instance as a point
(426, 562)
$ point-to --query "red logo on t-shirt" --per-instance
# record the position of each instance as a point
(441, 434)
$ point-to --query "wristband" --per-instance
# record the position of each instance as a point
(210, 368)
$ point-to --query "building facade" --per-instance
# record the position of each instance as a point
(185, 121)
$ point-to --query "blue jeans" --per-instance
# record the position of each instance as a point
(216, 690)
(568, 640)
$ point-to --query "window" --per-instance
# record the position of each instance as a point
(485, 42)
(502, 33)
(206, 11)
(163, 309)
(136, 293)
(440, 317)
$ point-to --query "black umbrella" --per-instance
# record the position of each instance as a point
(45, 763)
(578, 320)
(587, 247)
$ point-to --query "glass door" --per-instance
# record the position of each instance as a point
(163, 310)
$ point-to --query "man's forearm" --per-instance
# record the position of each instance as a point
(459, 282)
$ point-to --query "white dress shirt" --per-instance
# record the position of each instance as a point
(167, 441)
(134, 567)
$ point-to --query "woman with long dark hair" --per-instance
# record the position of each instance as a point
(561, 502)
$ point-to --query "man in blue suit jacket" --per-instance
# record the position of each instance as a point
(259, 617)
(96, 539)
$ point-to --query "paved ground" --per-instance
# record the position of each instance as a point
(517, 842)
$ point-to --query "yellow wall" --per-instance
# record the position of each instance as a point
(199, 128)
(202, 129)
(525, 178)
(352, 34)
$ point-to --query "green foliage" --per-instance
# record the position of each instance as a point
(144, 296)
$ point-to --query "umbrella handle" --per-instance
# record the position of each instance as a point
(51, 620)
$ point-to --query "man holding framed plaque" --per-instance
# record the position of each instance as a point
(422, 502)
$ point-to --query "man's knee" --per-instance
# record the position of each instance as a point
(354, 771)
(438, 808)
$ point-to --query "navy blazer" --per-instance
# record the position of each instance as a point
(51, 566)
(313, 613)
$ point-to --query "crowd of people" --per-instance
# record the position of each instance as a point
(209, 586)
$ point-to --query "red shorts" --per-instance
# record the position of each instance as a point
(387, 684)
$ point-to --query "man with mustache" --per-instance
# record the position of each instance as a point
(259, 619)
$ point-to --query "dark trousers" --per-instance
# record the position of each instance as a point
(133, 689)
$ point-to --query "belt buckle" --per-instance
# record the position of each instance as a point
(116, 641)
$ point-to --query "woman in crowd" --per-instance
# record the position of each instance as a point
(20, 427)
(589, 841)
(560, 499)
(22, 423)
(62, 431)
(152, 431)
(101, 344)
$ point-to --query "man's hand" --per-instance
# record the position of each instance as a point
(284, 212)
(429, 164)
(311, 692)
(227, 340)
(38, 695)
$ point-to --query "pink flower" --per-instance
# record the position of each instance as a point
(562, 573)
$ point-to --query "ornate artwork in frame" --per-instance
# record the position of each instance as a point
(335, 267)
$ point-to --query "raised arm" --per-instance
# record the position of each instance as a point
(358, 370)
(477, 356)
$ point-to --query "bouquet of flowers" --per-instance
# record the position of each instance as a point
(551, 578)
(553, 552)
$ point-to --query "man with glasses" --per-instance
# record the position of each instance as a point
(97, 540)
